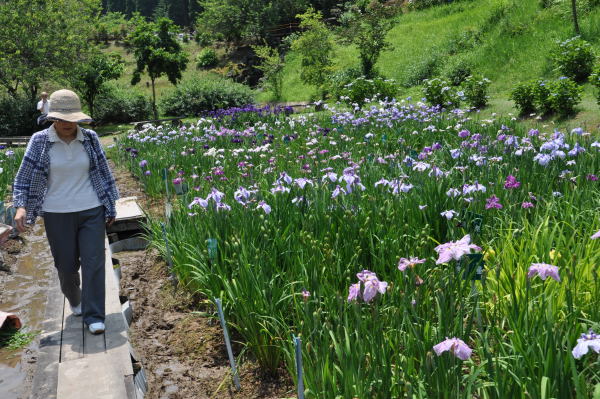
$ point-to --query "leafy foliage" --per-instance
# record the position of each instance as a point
(475, 90)
(574, 58)
(271, 66)
(523, 97)
(157, 52)
(367, 28)
(438, 91)
(559, 97)
(315, 46)
(17, 115)
(115, 104)
(564, 96)
(362, 89)
(194, 97)
(52, 38)
(89, 77)
(206, 58)
(595, 80)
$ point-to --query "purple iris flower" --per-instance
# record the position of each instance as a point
(198, 201)
(147, 173)
(585, 343)
(511, 182)
(338, 190)
(456, 345)
(543, 270)
(592, 177)
(354, 292)
(215, 195)
(464, 134)
(527, 204)
(264, 206)
(493, 203)
(143, 163)
(177, 180)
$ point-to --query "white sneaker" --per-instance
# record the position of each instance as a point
(97, 328)
(76, 310)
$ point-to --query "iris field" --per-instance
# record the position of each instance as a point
(418, 253)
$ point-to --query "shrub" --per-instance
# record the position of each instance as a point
(361, 89)
(18, 116)
(194, 97)
(475, 89)
(206, 58)
(116, 104)
(439, 92)
(595, 80)
(574, 58)
(564, 95)
(458, 71)
(523, 97)
(425, 68)
(541, 92)
(339, 79)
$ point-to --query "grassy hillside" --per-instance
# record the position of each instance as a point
(507, 41)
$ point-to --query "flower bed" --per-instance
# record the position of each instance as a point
(417, 252)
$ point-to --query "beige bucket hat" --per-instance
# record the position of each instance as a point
(64, 105)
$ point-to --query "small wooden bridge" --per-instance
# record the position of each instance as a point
(75, 364)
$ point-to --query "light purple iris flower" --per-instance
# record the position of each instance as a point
(143, 163)
(264, 206)
(410, 262)
(338, 190)
(449, 214)
(596, 235)
(280, 189)
(354, 292)
(215, 195)
(302, 182)
(242, 195)
(372, 286)
(456, 345)
(543, 270)
(453, 193)
(198, 201)
(585, 343)
(455, 249)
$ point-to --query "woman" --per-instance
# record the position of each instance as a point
(65, 178)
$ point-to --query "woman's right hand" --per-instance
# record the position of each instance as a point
(20, 219)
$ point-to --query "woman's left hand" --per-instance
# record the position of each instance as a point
(109, 221)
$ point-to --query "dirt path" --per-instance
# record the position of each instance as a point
(182, 349)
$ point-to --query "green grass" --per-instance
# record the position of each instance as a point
(16, 339)
(515, 40)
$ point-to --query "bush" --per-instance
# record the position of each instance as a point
(564, 95)
(458, 71)
(115, 104)
(194, 97)
(206, 58)
(555, 97)
(475, 89)
(18, 116)
(361, 89)
(574, 58)
(439, 92)
(523, 97)
(422, 70)
(595, 80)
(341, 78)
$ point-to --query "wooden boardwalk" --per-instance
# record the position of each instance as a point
(75, 364)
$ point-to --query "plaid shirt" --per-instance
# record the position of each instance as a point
(31, 182)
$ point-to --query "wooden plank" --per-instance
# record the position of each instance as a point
(45, 379)
(128, 208)
(92, 376)
(72, 335)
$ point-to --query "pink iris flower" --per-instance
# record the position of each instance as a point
(455, 249)
(411, 262)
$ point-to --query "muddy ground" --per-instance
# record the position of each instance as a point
(175, 333)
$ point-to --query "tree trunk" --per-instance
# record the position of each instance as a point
(575, 22)
(154, 100)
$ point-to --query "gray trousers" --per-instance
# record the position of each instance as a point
(77, 239)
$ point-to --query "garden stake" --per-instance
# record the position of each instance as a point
(164, 173)
(169, 261)
(299, 371)
(236, 378)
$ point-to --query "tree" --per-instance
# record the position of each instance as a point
(367, 28)
(43, 40)
(315, 47)
(158, 52)
(574, 12)
(271, 66)
(91, 76)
